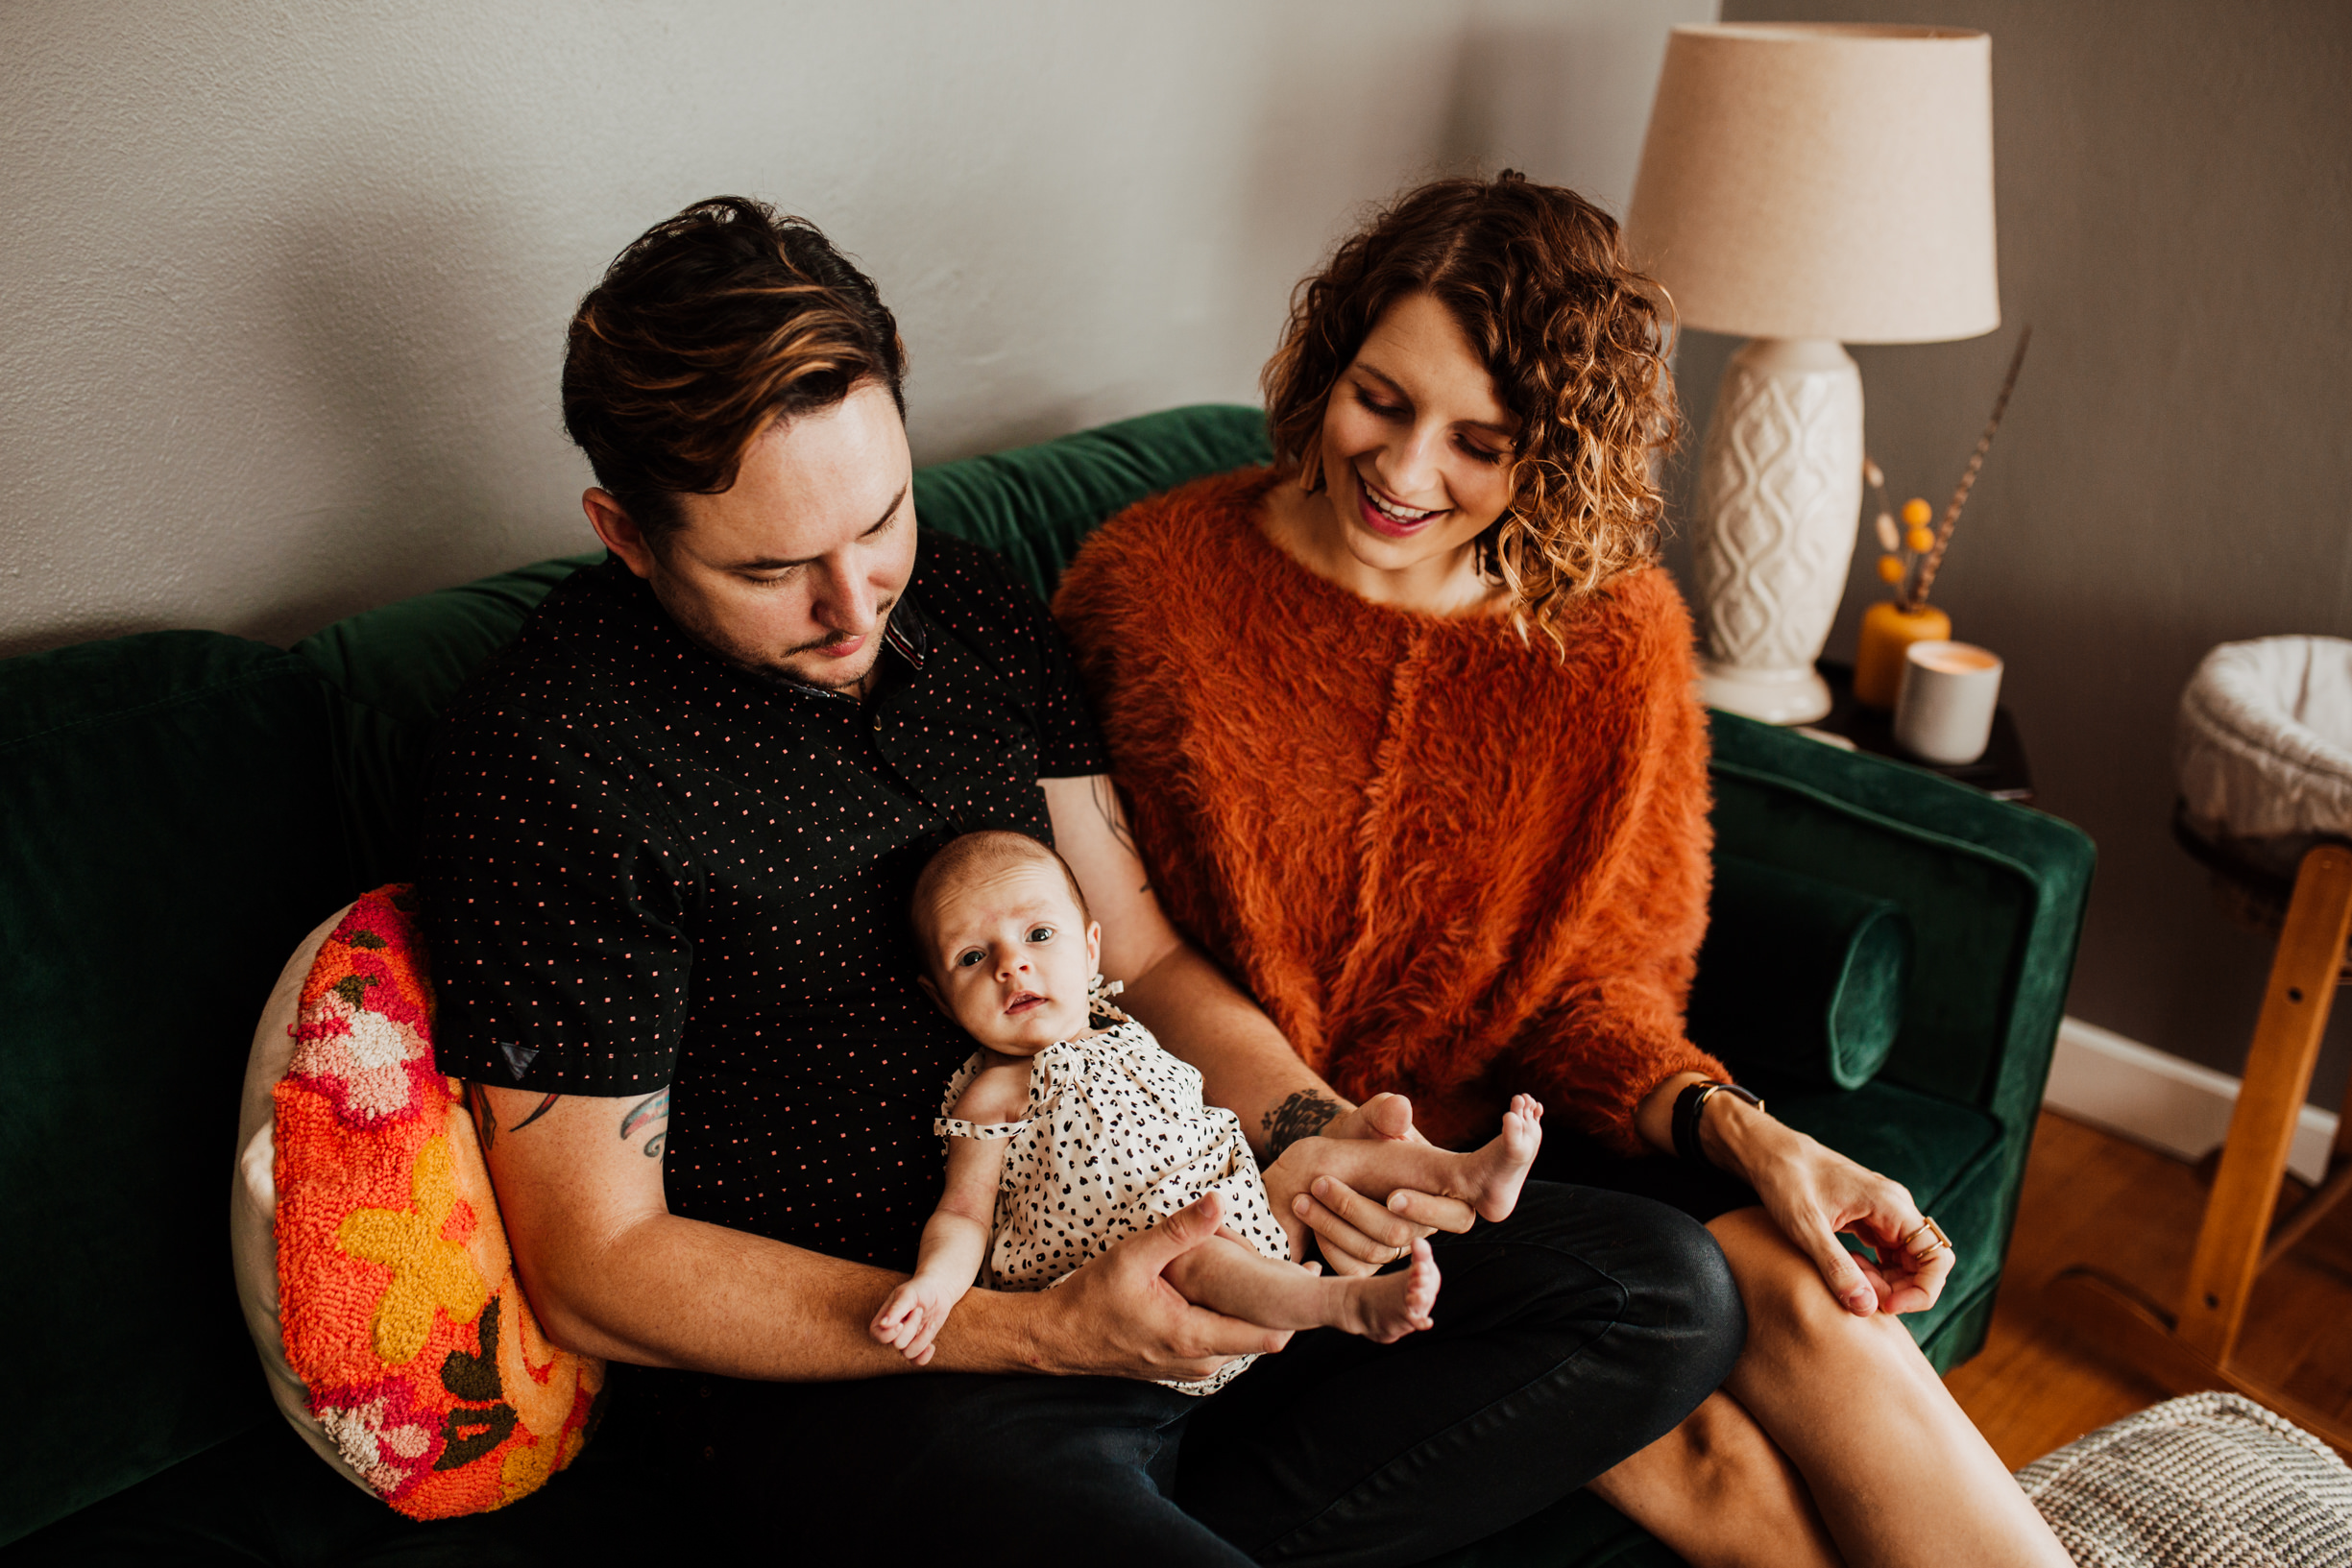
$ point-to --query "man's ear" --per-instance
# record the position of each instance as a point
(617, 529)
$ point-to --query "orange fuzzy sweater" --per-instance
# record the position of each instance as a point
(1445, 863)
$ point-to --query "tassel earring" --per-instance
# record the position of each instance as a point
(1311, 469)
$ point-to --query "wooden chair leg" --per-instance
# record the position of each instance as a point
(2192, 1348)
(2278, 1069)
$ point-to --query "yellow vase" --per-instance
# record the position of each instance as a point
(1887, 629)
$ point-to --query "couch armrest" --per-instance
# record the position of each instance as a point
(1994, 893)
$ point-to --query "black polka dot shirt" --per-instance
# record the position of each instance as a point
(645, 866)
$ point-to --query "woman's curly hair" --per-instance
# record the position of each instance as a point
(1574, 338)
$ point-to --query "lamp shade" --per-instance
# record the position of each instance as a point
(1822, 181)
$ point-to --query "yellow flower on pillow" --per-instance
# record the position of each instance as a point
(430, 1270)
(526, 1468)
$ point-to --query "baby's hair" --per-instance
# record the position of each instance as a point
(982, 851)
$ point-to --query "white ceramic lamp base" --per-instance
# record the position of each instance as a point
(1780, 493)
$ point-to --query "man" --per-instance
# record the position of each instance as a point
(668, 844)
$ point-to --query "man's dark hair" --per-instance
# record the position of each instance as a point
(707, 327)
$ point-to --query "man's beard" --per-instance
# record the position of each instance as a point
(778, 665)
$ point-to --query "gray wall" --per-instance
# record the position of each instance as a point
(283, 287)
(2176, 206)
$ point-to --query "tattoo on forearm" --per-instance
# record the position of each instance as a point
(1106, 802)
(1303, 1115)
(645, 1113)
(542, 1108)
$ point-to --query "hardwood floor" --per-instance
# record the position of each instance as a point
(2094, 1197)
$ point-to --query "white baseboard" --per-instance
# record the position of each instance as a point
(2160, 1100)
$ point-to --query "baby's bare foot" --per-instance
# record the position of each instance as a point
(1503, 1164)
(1387, 1307)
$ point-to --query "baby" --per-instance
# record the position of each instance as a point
(1062, 1138)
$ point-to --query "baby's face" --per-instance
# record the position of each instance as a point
(1010, 956)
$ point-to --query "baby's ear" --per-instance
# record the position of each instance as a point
(932, 991)
(1094, 945)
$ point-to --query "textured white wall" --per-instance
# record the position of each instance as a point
(284, 288)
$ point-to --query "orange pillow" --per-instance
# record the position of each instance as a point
(420, 1369)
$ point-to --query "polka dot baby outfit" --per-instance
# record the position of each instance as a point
(1114, 1140)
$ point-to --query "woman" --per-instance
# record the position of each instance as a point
(1408, 735)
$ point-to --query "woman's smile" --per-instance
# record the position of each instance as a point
(1417, 409)
(1391, 517)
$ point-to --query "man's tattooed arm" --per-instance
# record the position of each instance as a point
(1303, 1115)
(653, 1111)
(486, 1120)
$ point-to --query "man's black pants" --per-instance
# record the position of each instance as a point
(1567, 1337)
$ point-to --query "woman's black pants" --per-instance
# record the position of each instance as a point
(1567, 1337)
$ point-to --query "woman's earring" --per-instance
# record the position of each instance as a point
(1099, 993)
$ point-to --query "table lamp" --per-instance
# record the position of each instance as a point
(1806, 186)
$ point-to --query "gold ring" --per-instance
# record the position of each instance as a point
(1927, 1227)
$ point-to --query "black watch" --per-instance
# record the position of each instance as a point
(1688, 1108)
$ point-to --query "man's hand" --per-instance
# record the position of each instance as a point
(1118, 1316)
(1355, 1235)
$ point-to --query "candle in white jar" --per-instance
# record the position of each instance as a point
(1944, 709)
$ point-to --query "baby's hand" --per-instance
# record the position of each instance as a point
(913, 1316)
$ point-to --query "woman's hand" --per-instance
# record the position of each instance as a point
(1355, 1235)
(1813, 1192)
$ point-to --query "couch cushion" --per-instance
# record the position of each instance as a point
(1993, 893)
(168, 831)
(1799, 976)
(392, 669)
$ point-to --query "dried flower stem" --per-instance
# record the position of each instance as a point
(1918, 599)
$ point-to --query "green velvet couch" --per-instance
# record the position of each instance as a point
(178, 809)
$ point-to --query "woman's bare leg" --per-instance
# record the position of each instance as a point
(1719, 1493)
(1227, 1275)
(1899, 1474)
(1832, 1441)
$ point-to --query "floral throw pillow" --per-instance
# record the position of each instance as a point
(374, 1273)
